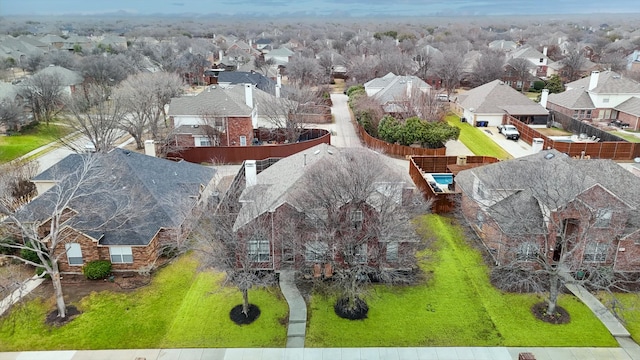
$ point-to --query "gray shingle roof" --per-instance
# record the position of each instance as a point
(163, 192)
(527, 53)
(494, 97)
(243, 77)
(8, 91)
(609, 82)
(214, 101)
(67, 77)
(396, 88)
(278, 182)
(572, 99)
(631, 106)
(551, 182)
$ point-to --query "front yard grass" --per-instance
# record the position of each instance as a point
(181, 308)
(628, 310)
(476, 141)
(14, 146)
(456, 307)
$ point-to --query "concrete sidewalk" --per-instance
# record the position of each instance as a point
(297, 327)
(382, 353)
(19, 293)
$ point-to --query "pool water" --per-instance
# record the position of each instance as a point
(443, 179)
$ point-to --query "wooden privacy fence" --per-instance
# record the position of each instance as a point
(395, 149)
(238, 154)
(420, 165)
(615, 150)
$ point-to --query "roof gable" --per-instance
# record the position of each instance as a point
(493, 97)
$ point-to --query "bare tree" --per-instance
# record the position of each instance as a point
(358, 221)
(11, 114)
(144, 96)
(263, 65)
(488, 67)
(44, 94)
(573, 63)
(449, 69)
(40, 232)
(290, 113)
(105, 70)
(95, 115)
(304, 71)
(16, 188)
(520, 69)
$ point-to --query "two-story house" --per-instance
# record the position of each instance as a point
(602, 97)
(550, 206)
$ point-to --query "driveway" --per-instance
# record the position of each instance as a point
(515, 148)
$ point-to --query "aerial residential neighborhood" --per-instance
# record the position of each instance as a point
(238, 184)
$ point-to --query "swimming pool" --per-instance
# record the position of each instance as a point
(443, 179)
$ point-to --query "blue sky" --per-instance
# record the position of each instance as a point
(319, 7)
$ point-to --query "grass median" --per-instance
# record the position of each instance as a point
(457, 306)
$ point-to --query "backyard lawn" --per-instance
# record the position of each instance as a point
(456, 307)
(181, 308)
(477, 142)
(629, 137)
(14, 146)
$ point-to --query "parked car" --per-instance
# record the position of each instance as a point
(509, 131)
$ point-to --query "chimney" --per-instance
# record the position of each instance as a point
(559, 40)
(279, 80)
(150, 148)
(544, 97)
(250, 173)
(409, 86)
(593, 80)
(220, 55)
(248, 95)
(544, 51)
(277, 91)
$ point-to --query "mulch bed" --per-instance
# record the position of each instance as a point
(54, 320)
(561, 316)
(356, 312)
(238, 317)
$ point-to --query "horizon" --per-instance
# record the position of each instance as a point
(319, 8)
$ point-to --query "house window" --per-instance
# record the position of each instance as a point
(259, 249)
(588, 114)
(243, 141)
(356, 219)
(359, 253)
(121, 254)
(74, 254)
(527, 252)
(595, 252)
(603, 218)
(287, 255)
(203, 141)
(392, 252)
(316, 251)
(576, 114)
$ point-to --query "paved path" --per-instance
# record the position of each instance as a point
(20, 292)
(343, 129)
(297, 310)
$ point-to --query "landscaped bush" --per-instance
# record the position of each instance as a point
(95, 270)
(30, 255)
(429, 134)
(4, 249)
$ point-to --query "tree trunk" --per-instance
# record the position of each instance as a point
(57, 290)
(245, 302)
(554, 289)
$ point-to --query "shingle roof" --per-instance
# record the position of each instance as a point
(503, 45)
(495, 97)
(8, 91)
(631, 106)
(572, 99)
(163, 191)
(244, 77)
(214, 101)
(67, 77)
(396, 88)
(550, 178)
(280, 180)
(609, 82)
(527, 53)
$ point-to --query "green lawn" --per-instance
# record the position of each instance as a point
(473, 138)
(626, 136)
(180, 309)
(630, 311)
(456, 307)
(14, 146)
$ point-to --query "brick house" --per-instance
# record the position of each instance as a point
(271, 201)
(602, 97)
(219, 116)
(94, 224)
(551, 206)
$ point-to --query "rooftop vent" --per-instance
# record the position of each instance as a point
(549, 156)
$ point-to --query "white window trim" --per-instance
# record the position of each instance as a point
(121, 254)
(598, 252)
(392, 251)
(527, 252)
(603, 218)
(259, 247)
(74, 251)
(243, 140)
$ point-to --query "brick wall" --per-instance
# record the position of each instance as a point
(238, 126)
